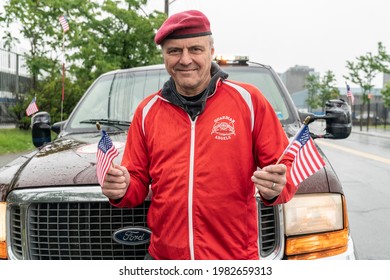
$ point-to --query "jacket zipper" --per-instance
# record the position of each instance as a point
(191, 190)
(191, 182)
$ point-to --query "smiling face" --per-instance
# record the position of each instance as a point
(188, 61)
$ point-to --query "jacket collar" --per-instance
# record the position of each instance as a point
(193, 108)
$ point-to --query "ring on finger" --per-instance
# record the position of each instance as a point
(273, 186)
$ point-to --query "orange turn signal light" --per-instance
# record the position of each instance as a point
(317, 243)
(3, 250)
(319, 255)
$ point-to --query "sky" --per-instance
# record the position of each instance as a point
(320, 34)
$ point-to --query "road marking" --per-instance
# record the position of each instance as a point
(355, 152)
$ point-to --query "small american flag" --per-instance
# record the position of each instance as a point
(349, 93)
(32, 107)
(64, 23)
(106, 153)
(307, 159)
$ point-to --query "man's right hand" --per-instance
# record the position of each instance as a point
(116, 182)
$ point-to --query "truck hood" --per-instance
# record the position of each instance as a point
(67, 161)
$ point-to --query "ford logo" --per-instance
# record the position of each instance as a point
(132, 235)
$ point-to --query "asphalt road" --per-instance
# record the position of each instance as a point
(362, 164)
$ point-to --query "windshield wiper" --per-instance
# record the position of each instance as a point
(108, 122)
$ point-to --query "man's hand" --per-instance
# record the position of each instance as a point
(270, 180)
(116, 182)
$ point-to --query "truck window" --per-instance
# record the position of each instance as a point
(265, 82)
(116, 96)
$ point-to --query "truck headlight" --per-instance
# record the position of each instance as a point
(3, 244)
(313, 213)
(316, 225)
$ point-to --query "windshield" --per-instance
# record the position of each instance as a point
(113, 98)
(263, 79)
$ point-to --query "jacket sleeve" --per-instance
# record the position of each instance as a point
(136, 160)
(270, 141)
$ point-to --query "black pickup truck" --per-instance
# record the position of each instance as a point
(52, 207)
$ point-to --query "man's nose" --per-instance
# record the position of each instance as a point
(185, 57)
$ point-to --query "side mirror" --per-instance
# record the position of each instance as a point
(338, 119)
(40, 124)
(58, 126)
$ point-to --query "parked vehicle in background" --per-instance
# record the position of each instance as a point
(52, 208)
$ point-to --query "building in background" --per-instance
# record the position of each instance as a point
(386, 78)
(14, 80)
(295, 77)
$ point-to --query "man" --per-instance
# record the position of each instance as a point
(198, 143)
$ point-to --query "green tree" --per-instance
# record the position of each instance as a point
(117, 35)
(321, 90)
(384, 59)
(362, 72)
(103, 36)
(384, 66)
(327, 89)
(36, 20)
(38, 23)
(313, 87)
(386, 94)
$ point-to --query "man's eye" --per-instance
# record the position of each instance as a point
(196, 50)
(175, 51)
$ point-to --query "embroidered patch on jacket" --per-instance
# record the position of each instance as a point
(223, 128)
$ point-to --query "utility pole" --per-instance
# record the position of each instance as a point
(166, 10)
(166, 6)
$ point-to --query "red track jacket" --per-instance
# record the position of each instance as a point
(203, 203)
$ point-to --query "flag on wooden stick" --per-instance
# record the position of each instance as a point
(307, 159)
(106, 153)
(64, 23)
(349, 94)
(32, 107)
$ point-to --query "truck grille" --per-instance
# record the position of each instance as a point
(82, 230)
(268, 228)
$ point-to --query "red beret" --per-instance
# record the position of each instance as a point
(183, 25)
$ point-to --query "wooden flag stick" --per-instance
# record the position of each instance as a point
(63, 74)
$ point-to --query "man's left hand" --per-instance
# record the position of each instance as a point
(270, 180)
